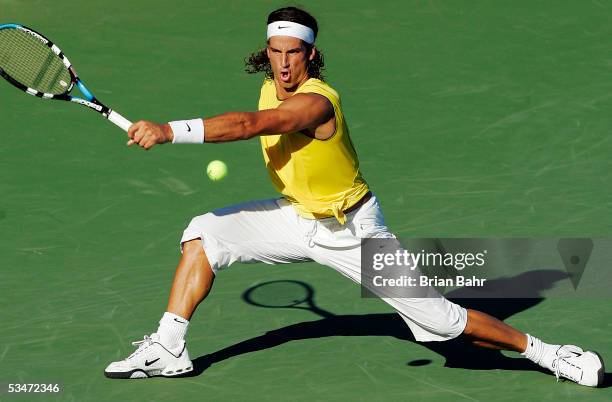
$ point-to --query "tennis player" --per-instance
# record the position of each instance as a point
(325, 209)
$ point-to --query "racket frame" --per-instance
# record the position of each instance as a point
(90, 100)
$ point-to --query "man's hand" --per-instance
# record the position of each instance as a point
(146, 134)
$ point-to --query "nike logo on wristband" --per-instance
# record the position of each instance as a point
(188, 128)
(182, 322)
(148, 363)
(282, 27)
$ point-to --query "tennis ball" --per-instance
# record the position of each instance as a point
(216, 170)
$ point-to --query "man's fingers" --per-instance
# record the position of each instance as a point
(133, 128)
(135, 136)
(143, 134)
(150, 144)
(138, 136)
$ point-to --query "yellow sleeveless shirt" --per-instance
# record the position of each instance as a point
(320, 178)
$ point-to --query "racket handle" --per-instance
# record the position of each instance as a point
(119, 120)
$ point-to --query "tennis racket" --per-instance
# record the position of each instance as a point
(284, 294)
(38, 67)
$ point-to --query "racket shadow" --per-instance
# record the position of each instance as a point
(458, 353)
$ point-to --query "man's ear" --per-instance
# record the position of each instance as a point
(313, 52)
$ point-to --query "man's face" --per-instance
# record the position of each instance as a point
(289, 60)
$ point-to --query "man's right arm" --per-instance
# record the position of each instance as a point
(299, 112)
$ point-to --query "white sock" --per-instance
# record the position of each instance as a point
(172, 330)
(540, 352)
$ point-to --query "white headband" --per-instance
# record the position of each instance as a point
(293, 29)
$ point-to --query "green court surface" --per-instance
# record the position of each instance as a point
(471, 118)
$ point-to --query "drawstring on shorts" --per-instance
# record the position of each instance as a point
(311, 233)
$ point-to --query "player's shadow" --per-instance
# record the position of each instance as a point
(459, 353)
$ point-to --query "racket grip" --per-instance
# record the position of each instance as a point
(119, 120)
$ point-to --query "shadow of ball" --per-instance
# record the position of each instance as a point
(419, 362)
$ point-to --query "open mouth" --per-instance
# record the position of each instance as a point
(285, 76)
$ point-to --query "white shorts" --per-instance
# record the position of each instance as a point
(271, 231)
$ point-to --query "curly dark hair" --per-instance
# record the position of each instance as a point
(259, 62)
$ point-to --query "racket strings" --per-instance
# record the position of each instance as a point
(32, 63)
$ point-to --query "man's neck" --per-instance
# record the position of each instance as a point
(285, 93)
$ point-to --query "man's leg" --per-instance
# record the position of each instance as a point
(193, 280)
(164, 352)
(258, 231)
(437, 319)
(489, 332)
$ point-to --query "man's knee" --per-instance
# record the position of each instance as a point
(454, 321)
(193, 247)
(191, 242)
(436, 320)
(194, 250)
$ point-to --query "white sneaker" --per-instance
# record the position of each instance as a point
(584, 368)
(151, 359)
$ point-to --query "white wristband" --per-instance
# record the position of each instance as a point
(188, 131)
